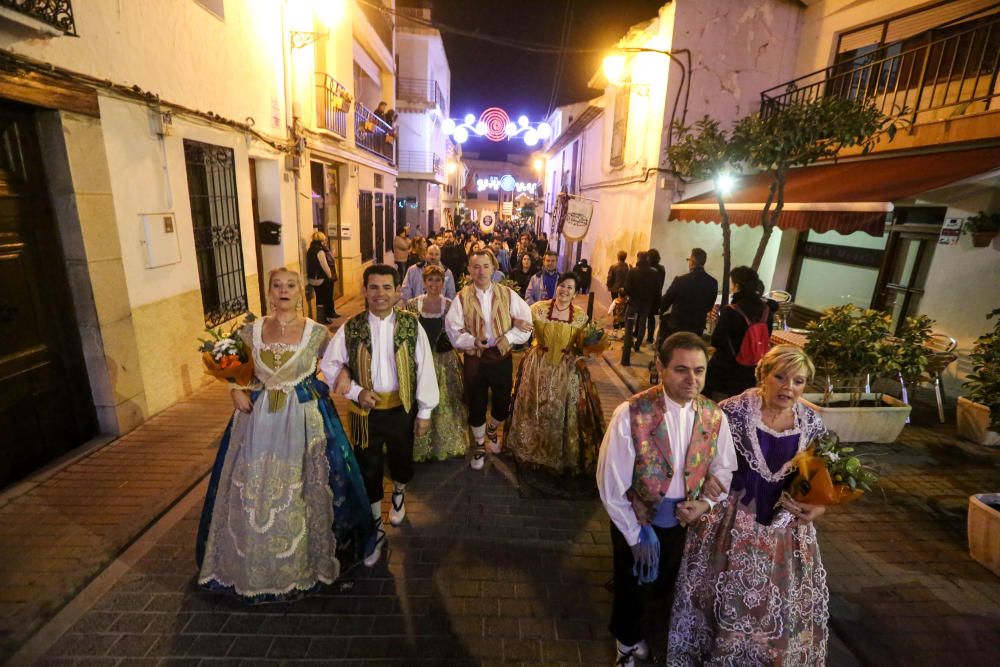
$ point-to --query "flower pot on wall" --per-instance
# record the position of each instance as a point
(974, 422)
(984, 530)
(982, 239)
(862, 424)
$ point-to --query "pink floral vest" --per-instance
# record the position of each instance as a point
(652, 473)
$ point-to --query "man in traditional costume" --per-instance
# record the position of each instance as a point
(652, 439)
(392, 386)
(484, 321)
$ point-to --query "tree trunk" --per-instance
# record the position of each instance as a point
(768, 222)
(727, 248)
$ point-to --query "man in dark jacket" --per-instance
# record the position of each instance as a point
(618, 273)
(688, 299)
(653, 255)
(641, 288)
(583, 271)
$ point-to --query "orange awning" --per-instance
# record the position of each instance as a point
(845, 197)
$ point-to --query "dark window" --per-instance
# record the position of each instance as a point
(390, 216)
(211, 178)
(365, 222)
(492, 196)
(472, 195)
(380, 235)
(620, 127)
(378, 181)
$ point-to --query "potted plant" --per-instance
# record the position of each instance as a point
(979, 413)
(983, 226)
(851, 346)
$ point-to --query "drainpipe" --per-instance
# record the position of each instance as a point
(288, 74)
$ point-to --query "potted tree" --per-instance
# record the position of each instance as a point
(851, 346)
(979, 413)
(983, 227)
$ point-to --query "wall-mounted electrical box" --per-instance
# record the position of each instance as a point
(159, 239)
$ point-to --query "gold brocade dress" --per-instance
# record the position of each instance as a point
(556, 423)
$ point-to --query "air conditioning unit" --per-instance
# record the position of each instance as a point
(293, 162)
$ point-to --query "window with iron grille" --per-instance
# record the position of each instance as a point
(390, 216)
(365, 200)
(211, 175)
(383, 243)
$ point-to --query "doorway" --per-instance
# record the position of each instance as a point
(255, 205)
(908, 255)
(46, 407)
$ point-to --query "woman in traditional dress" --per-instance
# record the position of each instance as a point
(449, 434)
(752, 589)
(286, 509)
(556, 423)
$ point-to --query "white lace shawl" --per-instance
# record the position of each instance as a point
(744, 416)
(301, 365)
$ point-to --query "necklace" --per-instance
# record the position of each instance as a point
(284, 324)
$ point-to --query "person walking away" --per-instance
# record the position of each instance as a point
(286, 510)
(393, 390)
(543, 284)
(542, 245)
(659, 448)
(653, 255)
(688, 300)
(640, 288)
(401, 244)
(729, 373)
(556, 422)
(321, 275)
(413, 283)
(752, 588)
(584, 272)
(483, 322)
(449, 432)
(618, 273)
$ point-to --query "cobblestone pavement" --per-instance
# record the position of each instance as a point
(903, 588)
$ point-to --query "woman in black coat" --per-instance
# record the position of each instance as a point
(726, 376)
(522, 273)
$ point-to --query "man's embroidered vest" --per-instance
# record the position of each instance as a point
(358, 337)
(500, 317)
(653, 470)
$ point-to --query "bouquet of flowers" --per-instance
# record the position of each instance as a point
(829, 473)
(591, 340)
(226, 356)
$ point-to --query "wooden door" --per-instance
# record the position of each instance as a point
(45, 401)
(255, 205)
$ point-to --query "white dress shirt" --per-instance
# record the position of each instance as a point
(616, 462)
(383, 366)
(454, 321)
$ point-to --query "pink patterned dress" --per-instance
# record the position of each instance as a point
(752, 588)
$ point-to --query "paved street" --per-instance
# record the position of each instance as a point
(479, 575)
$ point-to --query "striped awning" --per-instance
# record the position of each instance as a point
(845, 197)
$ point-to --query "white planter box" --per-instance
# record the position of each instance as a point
(984, 531)
(876, 424)
(973, 423)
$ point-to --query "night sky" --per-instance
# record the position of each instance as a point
(485, 75)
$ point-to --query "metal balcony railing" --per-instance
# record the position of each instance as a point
(420, 162)
(56, 13)
(380, 21)
(426, 91)
(373, 134)
(332, 104)
(944, 77)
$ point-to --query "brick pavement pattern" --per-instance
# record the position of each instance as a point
(58, 533)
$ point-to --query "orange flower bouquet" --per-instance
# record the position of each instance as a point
(591, 340)
(226, 356)
(829, 474)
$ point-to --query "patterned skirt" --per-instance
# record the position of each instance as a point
(749, 594)
(449, 434)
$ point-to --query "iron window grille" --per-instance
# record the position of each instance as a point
(55, 13)
(365, 201)
(211, 175)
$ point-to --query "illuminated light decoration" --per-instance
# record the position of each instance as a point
(495, 125)
(507, 183)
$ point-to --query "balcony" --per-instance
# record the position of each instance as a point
(420, 91)
(380, 21)
(941, 79)
(420, 162)
(332, 104)
(56, 14)
(373, 134)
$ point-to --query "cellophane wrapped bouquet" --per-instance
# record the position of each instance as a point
(591, 339)
(226, 356)
(828, 473)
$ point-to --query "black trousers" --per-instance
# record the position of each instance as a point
(324, 298)
(651, 325)
(483, 375)
(641, 313)
(391, 430)
(639, 611)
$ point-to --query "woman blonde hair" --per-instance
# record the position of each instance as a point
(785, 357)
(298, 279)
(319, 236)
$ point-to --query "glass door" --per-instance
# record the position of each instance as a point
(904, 274)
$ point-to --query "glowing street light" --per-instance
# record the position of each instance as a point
(451, 167)
(614, 68)
(538, 164)
(724, 183)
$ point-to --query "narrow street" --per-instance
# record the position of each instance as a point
(479, 575)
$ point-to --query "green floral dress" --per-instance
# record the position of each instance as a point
(449, 434)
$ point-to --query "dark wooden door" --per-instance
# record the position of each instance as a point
(255, 207)
(45, 402)
(382, 244)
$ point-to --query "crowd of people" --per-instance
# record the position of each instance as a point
(704, 538)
